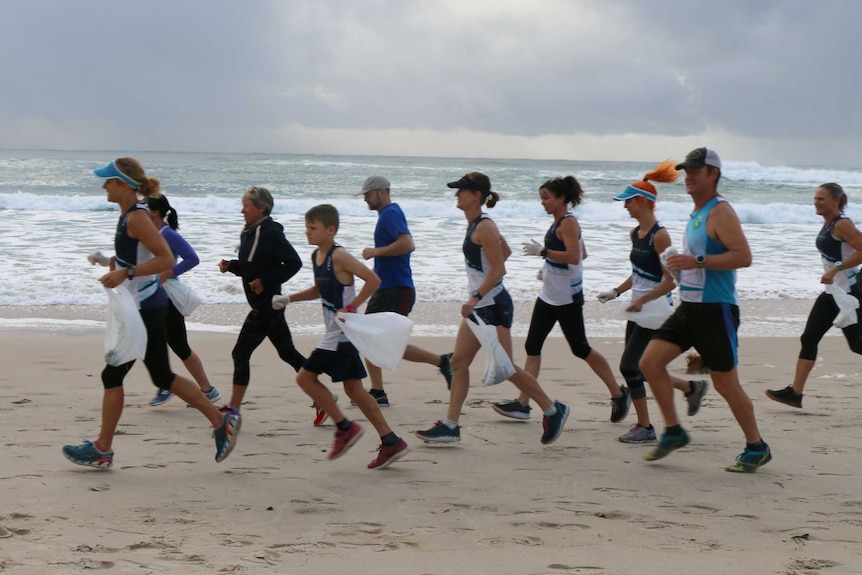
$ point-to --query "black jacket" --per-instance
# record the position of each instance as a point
(265, 254)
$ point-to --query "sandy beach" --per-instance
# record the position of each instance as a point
(498, 502)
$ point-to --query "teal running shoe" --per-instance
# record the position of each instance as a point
(667, 444)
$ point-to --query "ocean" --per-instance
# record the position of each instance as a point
(55, 213)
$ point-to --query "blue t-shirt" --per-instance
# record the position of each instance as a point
(394, 271)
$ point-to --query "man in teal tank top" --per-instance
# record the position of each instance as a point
(714, 247)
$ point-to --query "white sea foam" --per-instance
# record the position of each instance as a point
(55, 214)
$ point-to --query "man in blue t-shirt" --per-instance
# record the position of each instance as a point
(391, 252)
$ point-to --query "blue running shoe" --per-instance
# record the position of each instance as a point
(213, 395)
(88, 455)
(553, 425)
(440, 433)
(225, 436)
(446, 369)
(750, 461)
(667, 444)
(161, 396)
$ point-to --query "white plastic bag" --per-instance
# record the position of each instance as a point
(380, 337)
(498, 364)
(652, 314)
(125, 333)
(184, 298)
(847, 306)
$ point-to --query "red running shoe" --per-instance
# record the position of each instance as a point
(389, 454)
(321, 416)
(344, 440)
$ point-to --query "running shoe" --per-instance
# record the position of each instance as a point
(344, 440)
(321, 416)
(389, 454)
(213, 395)
(553, 424)
(379, 396)
(667, 444)
(637, 433)
(620, 405)
(440, 433)
(786, 396)
(695, 396)
(229, 409)
(446, 369)
(225, 436)
(512, 408)
(750, 461)
(88, 454)
(162, 396)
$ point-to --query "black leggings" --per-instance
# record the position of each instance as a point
(257, 326)
(637, 338)
(175, 326)
(156, 357)
(571, 318)
(824, 311)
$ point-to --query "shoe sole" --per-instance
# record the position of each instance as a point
(518, 416)
(635, 441)
(394, 458)
(438, 439)
(625, 412)
(231, 442)
(562, 424)
(779, 400)
(694, 405)
(656, 454)
(349, 444)
(87, 463)
(740, 467)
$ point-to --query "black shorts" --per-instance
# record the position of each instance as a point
(708, 327)
(340, 365)
(398, 299)
(501, 313)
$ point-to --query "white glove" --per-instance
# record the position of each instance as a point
(280, 301)
(670, 251)
(99, 258)
(606, 296)
(532, 248)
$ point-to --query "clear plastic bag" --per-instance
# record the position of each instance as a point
(184, 298)
(498, 364)
(380, 337)
(125, 333)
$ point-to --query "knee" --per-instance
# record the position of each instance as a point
(460, 362)
(582, 350)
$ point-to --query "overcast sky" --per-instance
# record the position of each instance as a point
(772, 82)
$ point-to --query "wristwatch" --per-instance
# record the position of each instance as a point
(130, 272)
(476, 294)
(700, 261)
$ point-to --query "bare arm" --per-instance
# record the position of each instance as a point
(570, 232)
(661, 241)
(141, 227)
(402, 245)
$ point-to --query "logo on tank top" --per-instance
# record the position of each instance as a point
(696, 222)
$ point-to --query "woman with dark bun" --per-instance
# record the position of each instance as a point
(167, 222)
(562, 297)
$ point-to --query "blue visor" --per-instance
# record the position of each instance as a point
(632, 191)
(111, 171)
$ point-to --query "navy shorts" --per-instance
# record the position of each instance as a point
(398, 299)
(342, 364)
(501, 313)
(708, 327)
